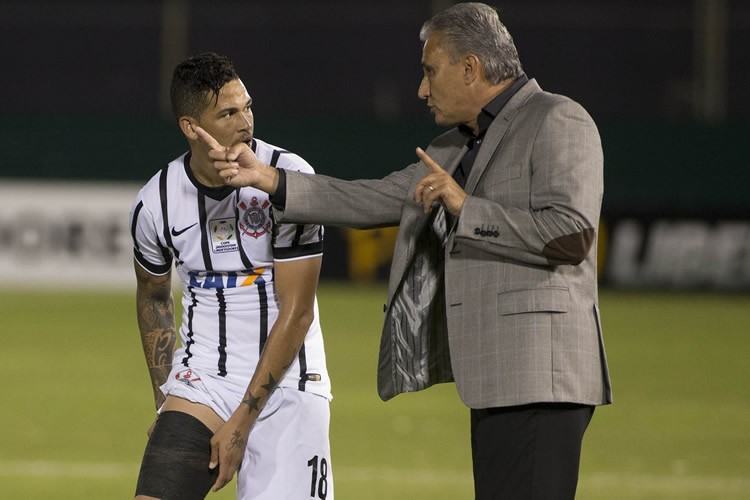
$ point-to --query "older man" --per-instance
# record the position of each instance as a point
(493, 282)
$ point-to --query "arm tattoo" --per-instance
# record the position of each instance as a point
(253, 403)
(236, 441)
(156, 323)
(270, 385)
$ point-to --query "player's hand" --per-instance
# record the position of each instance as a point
(238, 165)
(227, 449)
(438, 186)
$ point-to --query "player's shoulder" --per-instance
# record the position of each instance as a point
(280, 157)
(150, 193)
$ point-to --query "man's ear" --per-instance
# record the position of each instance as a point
(186, 126)
(472, 69)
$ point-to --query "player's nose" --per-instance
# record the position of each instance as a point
(247, 120)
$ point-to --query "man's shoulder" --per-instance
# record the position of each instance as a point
(150, 192)
(280, 157)
(546, 101)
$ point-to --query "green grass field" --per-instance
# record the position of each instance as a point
(77, 402)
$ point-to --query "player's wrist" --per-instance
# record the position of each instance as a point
(269, 179)
(243, 418)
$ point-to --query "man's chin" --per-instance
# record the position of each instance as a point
(442, 121)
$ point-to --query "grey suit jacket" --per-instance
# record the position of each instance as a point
(506, 303)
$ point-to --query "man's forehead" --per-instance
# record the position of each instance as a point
(233, 88)
(232, 94)
(432, 48)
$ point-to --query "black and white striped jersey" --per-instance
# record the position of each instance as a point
(224, 244)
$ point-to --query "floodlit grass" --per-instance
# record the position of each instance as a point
(77, 402)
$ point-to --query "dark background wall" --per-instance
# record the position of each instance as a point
(82, 85)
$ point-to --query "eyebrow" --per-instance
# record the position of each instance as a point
(225, 110)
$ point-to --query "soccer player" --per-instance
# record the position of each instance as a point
(249, 384)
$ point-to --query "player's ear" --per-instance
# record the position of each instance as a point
(186, 126)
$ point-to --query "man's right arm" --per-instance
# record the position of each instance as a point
(156, 323)
(365, 203)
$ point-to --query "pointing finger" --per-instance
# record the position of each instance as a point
(207, 138)
(431, 164)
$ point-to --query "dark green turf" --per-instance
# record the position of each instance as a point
(77, 402)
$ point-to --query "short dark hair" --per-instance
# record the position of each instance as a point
(197, 79)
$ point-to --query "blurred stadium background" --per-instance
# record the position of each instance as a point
(86, 122)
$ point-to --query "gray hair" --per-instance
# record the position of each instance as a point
(475, 28)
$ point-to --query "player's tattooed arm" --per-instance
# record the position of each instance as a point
(156, 322)
(253, 401)
(296, 282)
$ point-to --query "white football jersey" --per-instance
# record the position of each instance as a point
(224, 244)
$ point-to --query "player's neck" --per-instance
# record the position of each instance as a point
(204, 172)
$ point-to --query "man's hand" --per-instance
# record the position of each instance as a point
(228, 447)
(238, 165)
(437, 185)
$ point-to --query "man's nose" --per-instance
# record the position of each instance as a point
(424, 89)
(247, 119)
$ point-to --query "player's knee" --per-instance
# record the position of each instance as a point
(175, 463)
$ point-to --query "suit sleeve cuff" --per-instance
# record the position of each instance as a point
(278, 199)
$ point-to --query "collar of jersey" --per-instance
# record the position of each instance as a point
(217, 193)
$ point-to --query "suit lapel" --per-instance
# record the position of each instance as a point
(497, 130)
(453, 162)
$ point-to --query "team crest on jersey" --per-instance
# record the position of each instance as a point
(187, 377)
(255, 221)
(223, 237)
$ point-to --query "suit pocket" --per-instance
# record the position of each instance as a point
(551, 299)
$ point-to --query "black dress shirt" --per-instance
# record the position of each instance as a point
(484, 120)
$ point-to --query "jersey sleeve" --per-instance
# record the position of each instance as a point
(148, 250)
(296, 241)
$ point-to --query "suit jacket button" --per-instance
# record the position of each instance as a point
(496, 234)
(477, 231)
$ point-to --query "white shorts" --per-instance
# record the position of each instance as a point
(288, 452)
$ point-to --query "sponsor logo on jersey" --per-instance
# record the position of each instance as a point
(217, 280)
(223, 235)
(255, 221)
(176, 233)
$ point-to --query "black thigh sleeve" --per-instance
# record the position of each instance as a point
(175, 463)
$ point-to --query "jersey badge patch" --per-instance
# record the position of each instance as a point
(223, 237)
(255, 221)
(187, 377)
